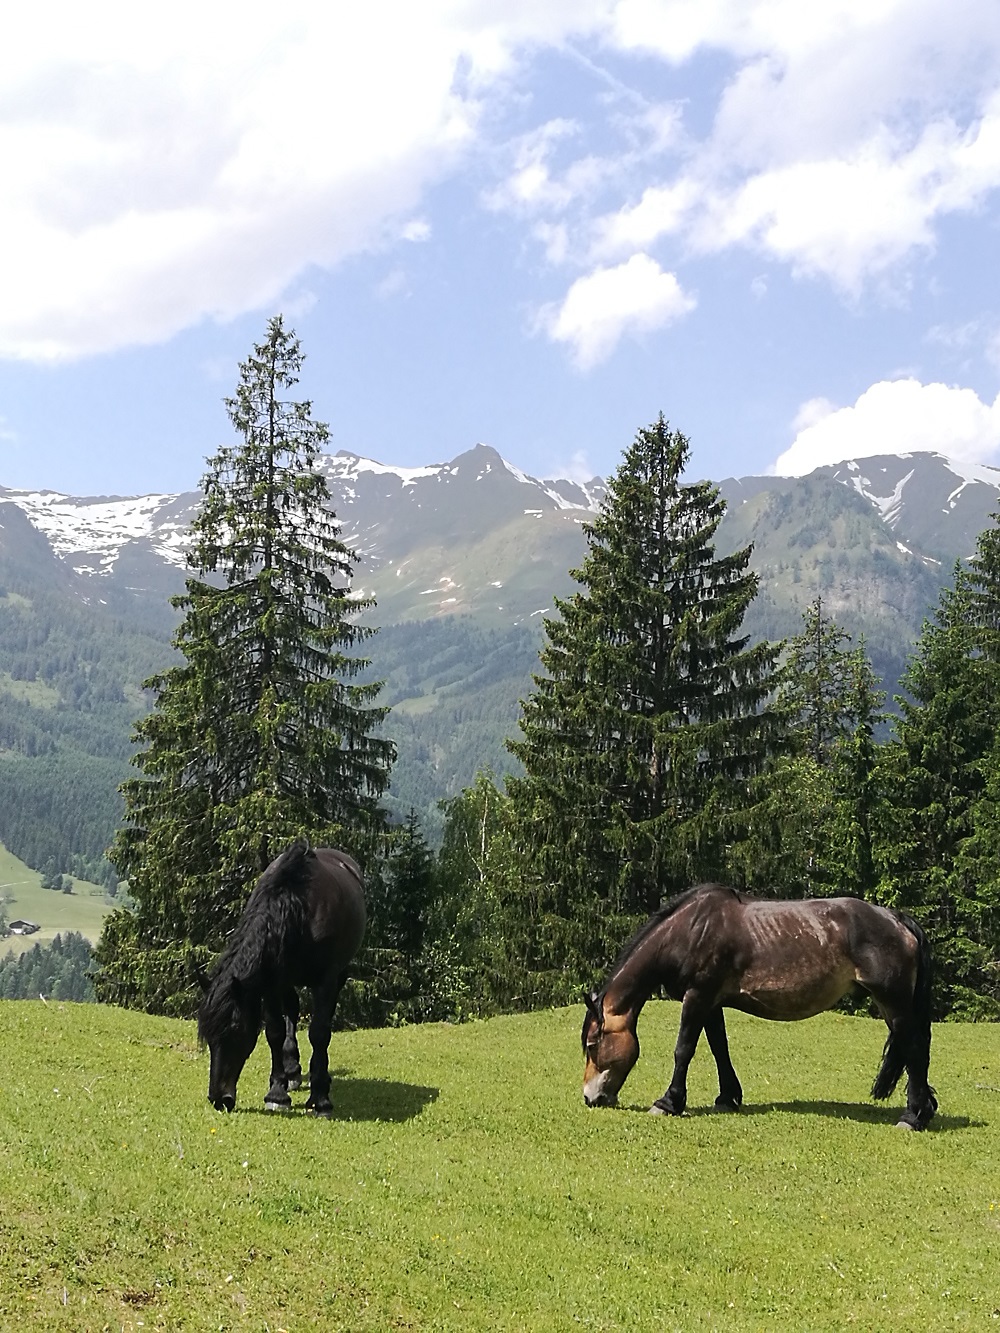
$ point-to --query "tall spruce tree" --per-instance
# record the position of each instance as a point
(815, 685)
(809, 828)
(859, 785)
(638, 741)
(260, 734)
(930, 850)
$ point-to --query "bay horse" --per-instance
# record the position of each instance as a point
(302, 925)
(714, 948)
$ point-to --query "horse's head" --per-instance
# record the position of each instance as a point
(229, 1024)
(611, 1047)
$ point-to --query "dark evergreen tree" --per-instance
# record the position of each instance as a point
(411, 891)
(401, 894)
(261, 733)
(58, 971)
(945, 735)
(815, 685)
(858, 785)
(984, 592)
(809, 826)
(497, 944)
(642, 734)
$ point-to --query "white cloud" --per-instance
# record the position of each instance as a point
(161, 166)
(531, 186)
(661, 211)
(634, 297)
(299, 305)
(811, 413)
(416, 230)
(895, 416)
(848, 218)
(846, 133)
(395, 283)
(577, 468)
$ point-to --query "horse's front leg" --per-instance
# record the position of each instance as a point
(276, 1098)
(320, 1027)
(693, 1014)
(730, 1096)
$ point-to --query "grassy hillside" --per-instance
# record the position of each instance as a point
(84, 909)
(463, 1185)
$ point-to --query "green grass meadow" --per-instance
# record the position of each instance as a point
(462, 1184)
(82, 910)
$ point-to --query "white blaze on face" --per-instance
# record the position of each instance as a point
(594, 1090)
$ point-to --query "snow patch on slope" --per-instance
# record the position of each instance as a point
(889, 506)
(101, 526)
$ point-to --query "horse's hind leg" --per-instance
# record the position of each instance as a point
(914, 1037)
(320, 1028)
(730, 1096)
(290, 1046)
(906, 1007)
(276, 1098)
(907, 1047)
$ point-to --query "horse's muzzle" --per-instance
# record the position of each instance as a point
(601, 1099)
(596, 1090)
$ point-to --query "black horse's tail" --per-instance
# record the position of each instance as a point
(271, 926)
(909, 1040)
(275, 913)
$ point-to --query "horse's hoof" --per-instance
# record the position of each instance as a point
(661, 1107)
(277, 1106)
(322, 1112)
(729, 1107)
(905, 1124)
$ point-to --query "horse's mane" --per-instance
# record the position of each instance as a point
(655, 921)
(270, 928)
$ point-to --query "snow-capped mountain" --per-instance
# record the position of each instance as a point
(478, 535)
(935, 504)
(90, 533)
(426, 526)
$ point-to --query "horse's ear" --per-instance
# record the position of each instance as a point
(202, 979)
(590, 1000)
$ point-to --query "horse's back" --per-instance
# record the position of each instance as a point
(800, 956)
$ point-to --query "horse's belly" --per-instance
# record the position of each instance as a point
(792, 996)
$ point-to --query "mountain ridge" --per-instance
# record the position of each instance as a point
(420, 522)
(465, 560)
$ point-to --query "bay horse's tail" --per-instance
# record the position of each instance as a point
(909, 1041)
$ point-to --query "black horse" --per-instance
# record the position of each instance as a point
(713, 948)
(301, 926)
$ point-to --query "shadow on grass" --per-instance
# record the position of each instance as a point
(368, 1099)
(863, 1112)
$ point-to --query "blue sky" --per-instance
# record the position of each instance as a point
(492, 220)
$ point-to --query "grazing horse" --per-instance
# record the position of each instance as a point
(301, 926)
(714, 948)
